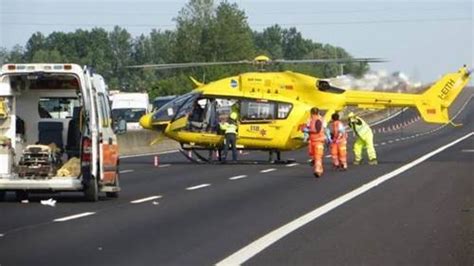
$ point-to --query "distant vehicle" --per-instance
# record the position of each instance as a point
(158, 102)
(130, 107)
(56, 132)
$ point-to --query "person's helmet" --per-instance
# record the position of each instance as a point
(351, 115)
(233, 116)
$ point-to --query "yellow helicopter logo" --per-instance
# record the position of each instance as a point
(272, 106)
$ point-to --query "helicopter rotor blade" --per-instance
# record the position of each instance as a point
(186, 65)
(331, 60)
(258, 61)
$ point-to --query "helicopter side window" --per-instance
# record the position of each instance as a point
(257, 110)
(284, 110)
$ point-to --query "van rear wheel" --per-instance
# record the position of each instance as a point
(114, 194)
(91, 190)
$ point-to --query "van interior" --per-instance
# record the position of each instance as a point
(47, 113)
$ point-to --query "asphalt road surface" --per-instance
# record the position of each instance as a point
(415, 208)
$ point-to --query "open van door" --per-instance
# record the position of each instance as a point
(108, 147)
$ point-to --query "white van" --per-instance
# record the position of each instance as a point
(129, 106)
(56, 131)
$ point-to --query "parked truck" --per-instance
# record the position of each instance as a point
(56, 133)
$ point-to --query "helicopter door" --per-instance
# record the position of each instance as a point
(184, 112)
(257, 119)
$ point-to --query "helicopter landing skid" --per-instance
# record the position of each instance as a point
(191, 159)
(283, 161)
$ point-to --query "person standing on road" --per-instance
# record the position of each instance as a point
(364, 139)
(337, 142)
(317, 140)
(230, 138)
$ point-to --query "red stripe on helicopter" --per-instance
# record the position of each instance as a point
(431, 111)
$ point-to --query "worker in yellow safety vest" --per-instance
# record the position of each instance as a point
(364, 139)
(230, 138)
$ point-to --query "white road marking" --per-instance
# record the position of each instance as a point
(397, 139)
(198, 186)
(390, 141)
(149, 154)
(146, 199)
(376, 145)
(262, 243)
(164, 165)
(268, 170)
(383, 143)
(467, 150)
(237, 177)
(292, 164)
(126, 171)
(1, 235)
(76, 216)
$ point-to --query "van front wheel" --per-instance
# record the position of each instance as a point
(91, 190)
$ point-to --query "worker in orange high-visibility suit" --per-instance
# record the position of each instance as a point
(317, 139)
(338, 142)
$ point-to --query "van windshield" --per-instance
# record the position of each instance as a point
(131, 115)
(57, 107)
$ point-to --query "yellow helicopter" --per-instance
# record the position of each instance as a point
(272, 107)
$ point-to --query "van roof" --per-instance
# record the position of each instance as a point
(28, 68)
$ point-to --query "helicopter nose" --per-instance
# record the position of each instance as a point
(146, 121)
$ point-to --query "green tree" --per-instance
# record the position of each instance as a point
(193, 19)
(270, 42)
(35, 43)
(121, 48)
(50, 56)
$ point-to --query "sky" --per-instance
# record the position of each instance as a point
(423, 39)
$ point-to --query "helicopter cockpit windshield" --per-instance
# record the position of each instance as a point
(168, 111)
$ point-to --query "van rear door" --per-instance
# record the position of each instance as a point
(108, 143)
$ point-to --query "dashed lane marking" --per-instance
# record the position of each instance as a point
(383, 143)
(249, 251)
(164, 165)
(146, 199)
(149, 154)
(292, 164)
(198, 187)
(237, 177)
(126, 171)
(267, 170)
(467, 150)
(72, 217)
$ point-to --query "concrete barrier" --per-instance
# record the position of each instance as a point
(138, 142)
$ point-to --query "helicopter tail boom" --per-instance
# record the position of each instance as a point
(432, 104)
